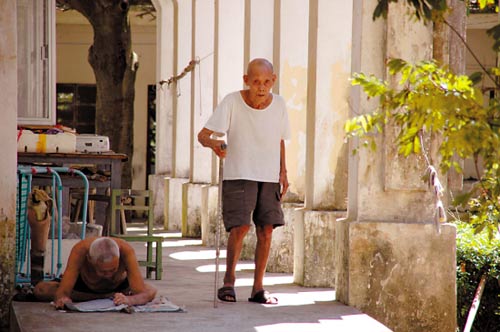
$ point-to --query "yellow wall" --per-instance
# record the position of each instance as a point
(74, 37)
(482, 46)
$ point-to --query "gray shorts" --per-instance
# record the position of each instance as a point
(241, 198)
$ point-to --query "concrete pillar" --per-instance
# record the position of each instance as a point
(202, 85)
(329, 68)
(164, 95)
(259, 29)
(450, 50)
(327, 100)
(199, 203)
(458, 19)
(159, 200)
(230, 30)
(181, 114)
(291, 24)
(191, 217)
(210, 220)
(282, 253)
(173, 203)
(228, 77)
(164, 102)
(403, 275)
(183, 54)
(8, 163)
(202, 105)
(386, 248)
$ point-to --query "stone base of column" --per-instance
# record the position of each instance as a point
(315, 250)
(199, 201)
(173, 203)
(403, 275)
(156, 183)
(210, 220)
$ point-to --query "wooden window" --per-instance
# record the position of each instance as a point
(76, 107)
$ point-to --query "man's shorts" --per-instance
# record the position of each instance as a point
(81, 286)
(242, 197)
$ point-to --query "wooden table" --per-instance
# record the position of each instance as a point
(109, 160)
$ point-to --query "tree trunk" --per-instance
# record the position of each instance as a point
(115, 67)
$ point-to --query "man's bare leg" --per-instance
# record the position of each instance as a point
(234, 246)
(259, 295)
(264, 236)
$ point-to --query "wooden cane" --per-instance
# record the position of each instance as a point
(218, 226)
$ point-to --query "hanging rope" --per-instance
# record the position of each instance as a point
(173, 79)
(437, 188)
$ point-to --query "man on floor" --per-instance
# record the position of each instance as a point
(97, 268)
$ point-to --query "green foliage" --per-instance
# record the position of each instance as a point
(424, 9)
(477, 255)
(435, 10)
(495, 33)
(430, 100)
(428, 10)
(483, 6)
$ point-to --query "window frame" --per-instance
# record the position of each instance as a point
(37, 52)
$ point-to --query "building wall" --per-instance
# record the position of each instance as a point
(74, 37)
(8, 162)
(482, 46)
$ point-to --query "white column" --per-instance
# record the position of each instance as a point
(367, 57)
(388, 241)
(202, 80)
(260, 29)
(330, 38)
(230, 47)
(182, 112)
(388, 179)
(290, 55)
(164, 95)
(165, 10)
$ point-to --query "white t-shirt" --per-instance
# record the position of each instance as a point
(253, 137)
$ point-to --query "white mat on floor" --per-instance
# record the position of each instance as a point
(106, 305)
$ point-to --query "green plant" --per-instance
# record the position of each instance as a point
(430, 101)
(477, 255)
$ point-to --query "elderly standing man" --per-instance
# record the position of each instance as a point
(255, 121)
(99, 268)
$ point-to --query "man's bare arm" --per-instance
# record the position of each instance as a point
(205, 139)
(141, 293)
(75, 263)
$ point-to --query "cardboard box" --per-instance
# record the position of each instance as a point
(27, 141)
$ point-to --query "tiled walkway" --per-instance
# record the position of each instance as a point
(188, 281)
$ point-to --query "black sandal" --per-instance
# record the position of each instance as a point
(263, 297)
(226, 294)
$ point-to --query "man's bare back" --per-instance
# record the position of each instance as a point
(99, 268)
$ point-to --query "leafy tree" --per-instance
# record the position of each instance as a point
(115, 67)
(431, 100)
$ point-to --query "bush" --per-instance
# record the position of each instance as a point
(477, 255)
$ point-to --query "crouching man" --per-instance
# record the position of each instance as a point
(99, 268)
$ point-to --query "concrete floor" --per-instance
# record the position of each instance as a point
(188, 281)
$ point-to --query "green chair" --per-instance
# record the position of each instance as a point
(126, 200)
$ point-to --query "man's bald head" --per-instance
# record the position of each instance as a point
(103, 249)
(259, 63)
